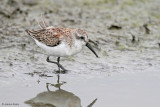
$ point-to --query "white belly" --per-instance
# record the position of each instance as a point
(60, 50)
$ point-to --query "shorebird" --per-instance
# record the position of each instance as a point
(59, 41)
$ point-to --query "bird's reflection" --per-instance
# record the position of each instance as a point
(57, 98)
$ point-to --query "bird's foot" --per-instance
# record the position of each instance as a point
(60, 67)
(61, 71)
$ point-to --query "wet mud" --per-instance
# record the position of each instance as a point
(125, 34)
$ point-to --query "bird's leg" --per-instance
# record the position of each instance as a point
(64, 70)
(58, 59)
(58, 64)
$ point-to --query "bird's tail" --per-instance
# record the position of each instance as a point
(29, 33)
(43, 26)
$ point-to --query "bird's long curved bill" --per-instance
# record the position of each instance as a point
(89, 46)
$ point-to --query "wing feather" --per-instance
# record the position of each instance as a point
(47, 36)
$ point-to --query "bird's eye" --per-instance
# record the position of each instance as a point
(81, 37)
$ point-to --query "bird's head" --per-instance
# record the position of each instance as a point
(82, 37)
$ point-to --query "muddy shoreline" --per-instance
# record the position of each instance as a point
(125, 34)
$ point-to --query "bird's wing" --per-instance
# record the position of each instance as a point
(48, 37)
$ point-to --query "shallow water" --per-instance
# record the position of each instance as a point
(121, 90)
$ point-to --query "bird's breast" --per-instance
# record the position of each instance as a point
(61, 50)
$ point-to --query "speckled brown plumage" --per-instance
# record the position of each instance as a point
(52, 36)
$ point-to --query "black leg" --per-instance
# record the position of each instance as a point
(58, 64)
(58, 59)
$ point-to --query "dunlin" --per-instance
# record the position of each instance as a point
(59, 41)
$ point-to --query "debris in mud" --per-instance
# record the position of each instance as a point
(147, 30)
(117, 43)
(114, 27)
(133, 39)
(23, 46)
(31, 74)
(10, 64)
(8, 7)
(30, 2)
(68, 20)
(40, 74)
(159, 45)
